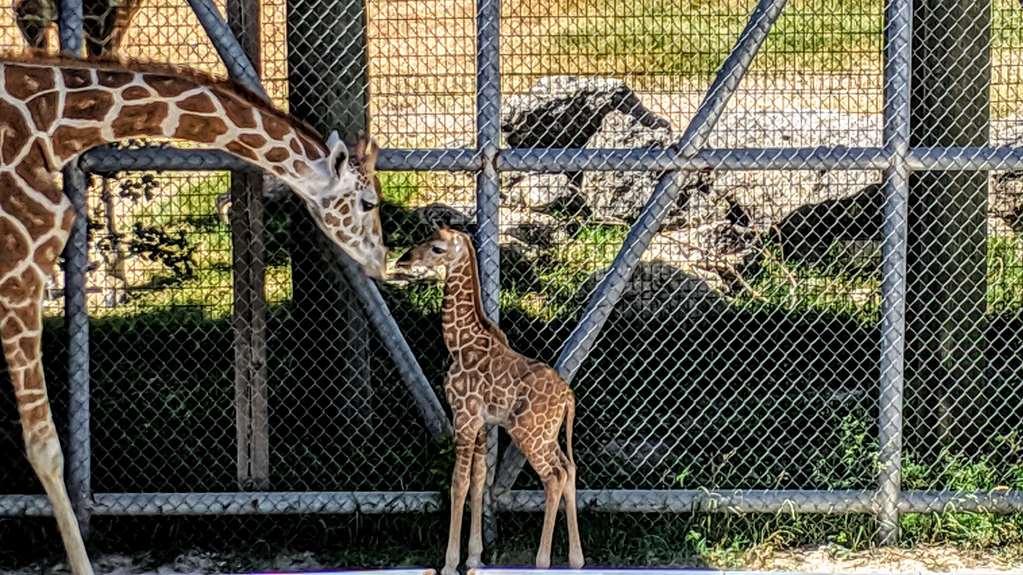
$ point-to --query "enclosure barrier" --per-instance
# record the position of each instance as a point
(487, 160)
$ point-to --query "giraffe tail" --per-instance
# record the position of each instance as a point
(569, 423)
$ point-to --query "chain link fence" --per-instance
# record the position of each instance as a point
(797, 290)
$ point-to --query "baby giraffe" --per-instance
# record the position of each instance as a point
(488, 382)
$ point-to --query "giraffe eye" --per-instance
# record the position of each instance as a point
(367, 206)
(437, 249)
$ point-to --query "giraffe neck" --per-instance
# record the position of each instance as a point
(462, 315)
(60, 108)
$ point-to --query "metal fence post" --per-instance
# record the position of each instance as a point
(488, 122)
(76, 314)
(249, 274)
(898, 41)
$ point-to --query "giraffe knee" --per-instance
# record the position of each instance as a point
(45, 455)
(556, 475)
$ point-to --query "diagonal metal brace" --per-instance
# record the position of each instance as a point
(611, 286)
(241, 70)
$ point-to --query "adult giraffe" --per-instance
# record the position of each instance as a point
(52, 110)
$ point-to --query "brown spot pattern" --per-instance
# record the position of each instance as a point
(301, 168)
(278, 154)
(36, 173)
(29, 317)
(168, 86)
(37, 412)
(114, 78)
(68, 141)
(67, 220)
(75, 78)
(312, 151)
(200, 103)
(239, 113)
(252, 140)
(296, 146)
(35, 217)
(241, 150)
(46, 254)
(10, 328)
(88, 105)
(275, 127)
(140, 120)
(16, 132)
(200, 129)
(44, 110)
(135, 93)
(331, 220)
(24, 81)
(13, 249)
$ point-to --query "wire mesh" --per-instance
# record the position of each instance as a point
(745, 350)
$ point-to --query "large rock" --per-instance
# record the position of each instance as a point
(565, 111)
(838, 234)
(579, 112)
(620, 196)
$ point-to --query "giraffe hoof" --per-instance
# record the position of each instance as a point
(449, 571)
(576, 561)
(473, 563)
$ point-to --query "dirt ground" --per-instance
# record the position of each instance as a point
(931, 559)
(825, 559)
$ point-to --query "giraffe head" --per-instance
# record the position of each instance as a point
(445, 248)
(345, 202)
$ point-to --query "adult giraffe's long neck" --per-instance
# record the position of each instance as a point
(60, 108)
(462, 312)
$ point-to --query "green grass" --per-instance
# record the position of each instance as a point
(563, 269)
(402, 188)
(957, 473)
(692, 37)
(797, 288)
(186, 210)
(1005, 273)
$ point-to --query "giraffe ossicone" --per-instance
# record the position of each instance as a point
(490, 383)
(54, 109)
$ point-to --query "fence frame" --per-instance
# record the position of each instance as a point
(487, 160)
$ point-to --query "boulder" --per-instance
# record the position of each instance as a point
(838, 234)
(620, 196)
(565, 111)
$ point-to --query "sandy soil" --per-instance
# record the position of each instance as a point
(930, 559)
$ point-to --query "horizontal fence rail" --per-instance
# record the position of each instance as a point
(596, 160)
(609, 501)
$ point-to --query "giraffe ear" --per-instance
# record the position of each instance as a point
(366, 152)
(338, 158)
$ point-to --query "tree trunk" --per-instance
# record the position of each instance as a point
(947, 248)
(328, 87)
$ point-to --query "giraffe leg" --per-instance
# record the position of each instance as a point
(575, 550)
(465, 445)
(543, 458)
(21, 331)
(476, 487)
(553, 487)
